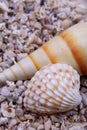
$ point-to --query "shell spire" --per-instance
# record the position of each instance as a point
(70, 47)
(54, 88)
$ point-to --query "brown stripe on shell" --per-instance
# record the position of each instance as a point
(14, 74)
(34, 61)
(61, 100)
(53, 58)
(23, 70)
(73, 44)
(61, 97)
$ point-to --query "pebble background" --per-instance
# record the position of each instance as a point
(24, 26)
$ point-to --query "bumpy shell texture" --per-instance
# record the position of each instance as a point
(54, 88)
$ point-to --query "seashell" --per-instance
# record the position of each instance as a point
(54, 88)
(7, 111)
(70, 47)
(78, 126)
(3, 120)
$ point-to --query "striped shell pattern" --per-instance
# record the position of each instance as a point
(70, 47)
(54, 88)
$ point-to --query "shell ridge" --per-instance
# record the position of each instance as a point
(53, 89)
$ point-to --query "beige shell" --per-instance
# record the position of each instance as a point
(54, 88)
(70, 47)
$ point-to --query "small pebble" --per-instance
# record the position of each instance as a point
(19, 112)
(54, 128)
(62, 15)
(2, 98)
(81, 9)
(81, 105)
(66, 23)
(5, 91)
(78, 126)
(31, 128)
(36, 124)
(54, 118)
(4, 7)
(83, 111)
(29, 117)
(10, 112)
(2, 26)
(40, 127)
(84, 98)
(7, 111)
(19, 83)
(13, 122)
(48, 124)
(82, 118)
(3, 120)
(57, 124)
(19, 101)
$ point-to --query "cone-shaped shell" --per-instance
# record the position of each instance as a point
(70, 47)
(54, 88)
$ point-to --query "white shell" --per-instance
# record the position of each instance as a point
(54, 88)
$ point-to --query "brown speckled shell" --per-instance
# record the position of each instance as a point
(55, 88)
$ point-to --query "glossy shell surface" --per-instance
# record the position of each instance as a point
(54, 88)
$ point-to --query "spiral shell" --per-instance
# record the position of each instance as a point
(54, 88)
(70, 47)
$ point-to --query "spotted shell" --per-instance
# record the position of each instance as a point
(54, 88)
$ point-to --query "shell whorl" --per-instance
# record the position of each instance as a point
(70, 47)
(54, 88)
